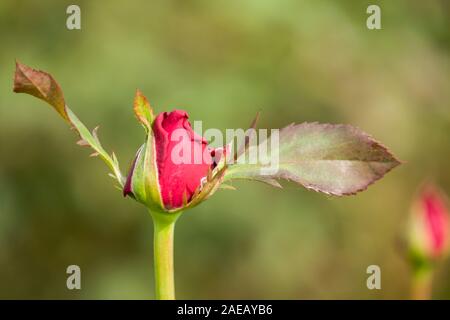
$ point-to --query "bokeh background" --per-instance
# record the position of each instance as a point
(222, 62)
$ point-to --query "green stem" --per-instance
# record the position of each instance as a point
(422, 283)
(164, 225)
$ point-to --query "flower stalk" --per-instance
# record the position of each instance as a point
(422, 279)
(164, 226)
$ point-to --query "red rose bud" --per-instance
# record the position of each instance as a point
(429, 224)
(172, 164)
(183, 157)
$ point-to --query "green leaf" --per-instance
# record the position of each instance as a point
(42, 85)
(333, 159)
(143, 110)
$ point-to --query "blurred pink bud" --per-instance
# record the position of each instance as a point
(429, 224)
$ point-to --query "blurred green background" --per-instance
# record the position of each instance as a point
(222, 62)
